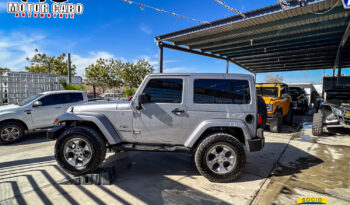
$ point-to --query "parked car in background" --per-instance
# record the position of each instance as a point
(211, 115)
(278, 101)
(334, 111)
(111, 96)
(299, 99)
(36, 112)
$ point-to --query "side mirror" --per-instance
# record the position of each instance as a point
(143, 99)
(37, 104)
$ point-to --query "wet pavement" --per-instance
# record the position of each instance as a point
(293, 164)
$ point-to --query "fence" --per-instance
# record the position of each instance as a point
(17, 86)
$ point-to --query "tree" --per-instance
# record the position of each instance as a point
(273, 79)
(4, 69)
(40, 64)
(104, 73)
(132, 74)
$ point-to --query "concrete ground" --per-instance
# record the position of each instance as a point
(293, 164)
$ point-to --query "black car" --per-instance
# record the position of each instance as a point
(300, 102)
(334, 111)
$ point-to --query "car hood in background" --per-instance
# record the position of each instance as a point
(11, 107)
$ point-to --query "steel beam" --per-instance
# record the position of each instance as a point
(203, 54)
(287, 60)
(338, 58)
(279, 37)
(274, 24)
(291, 43)
(283, 49)
(289, 52)
(160, 57)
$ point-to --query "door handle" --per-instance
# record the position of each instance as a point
(178, 111)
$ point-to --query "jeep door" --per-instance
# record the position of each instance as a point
(163, 120)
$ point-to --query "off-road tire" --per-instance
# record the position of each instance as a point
(12, 124)
(289, 117)
(276, 124)
(317, 124)
(94, 139)
(210, 141)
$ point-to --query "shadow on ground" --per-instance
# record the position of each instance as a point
(154, 178)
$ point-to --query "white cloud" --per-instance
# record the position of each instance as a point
(15, 47)
(84, 61)
(146, 29)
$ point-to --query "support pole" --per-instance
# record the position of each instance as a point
(227, 66)
(49, 65)
(160, 55)
(69, 69)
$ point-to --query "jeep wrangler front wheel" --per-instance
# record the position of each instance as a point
(220, 158)
(80, 150)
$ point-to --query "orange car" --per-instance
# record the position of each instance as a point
(278, 100)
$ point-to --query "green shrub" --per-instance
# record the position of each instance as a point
(129, 92)
(68, 86)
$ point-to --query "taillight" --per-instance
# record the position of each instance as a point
(260, 119)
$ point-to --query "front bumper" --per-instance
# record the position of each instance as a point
(256, 144)
(55, 132)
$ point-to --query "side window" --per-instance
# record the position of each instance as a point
(53, 99)
(70, 98)
(216, 91)
(47, 100)
(164, 90)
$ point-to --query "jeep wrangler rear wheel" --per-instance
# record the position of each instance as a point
(220, 158)
(317, 124)
(80, 150)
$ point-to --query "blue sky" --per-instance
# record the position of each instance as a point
(112, 28)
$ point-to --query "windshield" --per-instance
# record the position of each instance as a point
(28, 100)
(267, 91)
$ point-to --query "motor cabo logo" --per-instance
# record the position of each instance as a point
(42, 9)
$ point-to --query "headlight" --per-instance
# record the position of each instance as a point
(269, 107)
(347, 114)
(337, 111)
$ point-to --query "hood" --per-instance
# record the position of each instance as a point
(101, 106)
(5, 108)
(269, 100)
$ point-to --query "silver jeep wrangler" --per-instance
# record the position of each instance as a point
(210, 115)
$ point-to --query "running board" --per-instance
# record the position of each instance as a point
(150, 148)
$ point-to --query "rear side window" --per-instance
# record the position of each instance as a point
(164, 90)
(217, 91)
(70, 97)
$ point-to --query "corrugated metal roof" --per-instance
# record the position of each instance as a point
(270, 33)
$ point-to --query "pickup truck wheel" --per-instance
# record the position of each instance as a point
(317, 124)
(11, 132)
(220, 158)
(276, 124)
(80, 150)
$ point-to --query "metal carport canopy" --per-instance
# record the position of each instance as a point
(302, 37)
